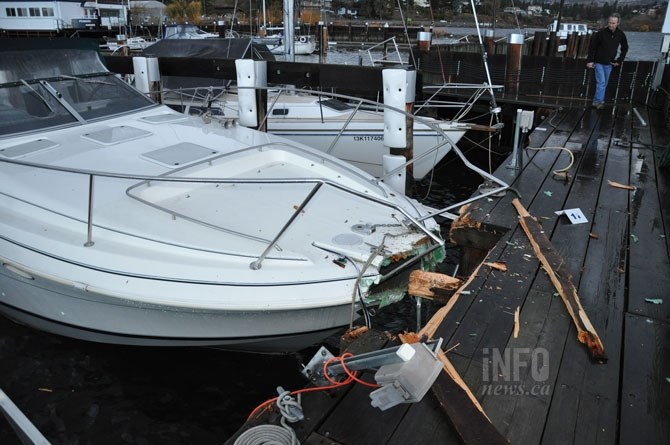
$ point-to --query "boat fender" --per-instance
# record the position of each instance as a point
(303, 39)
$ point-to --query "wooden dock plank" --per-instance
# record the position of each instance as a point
(544, 326)
(584, 409)
(343, 427)
(495, 325)
(661, 139)
(645, 391)
(649, 263)
(535, 165)
(425, 423)
(550, 334)
(485, 324)
(526, 184)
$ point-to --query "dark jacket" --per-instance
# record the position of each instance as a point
(604, 46)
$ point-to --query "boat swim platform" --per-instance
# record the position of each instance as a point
(541, 385)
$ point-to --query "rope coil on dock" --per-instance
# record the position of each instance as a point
(291, 411)
(266, 434)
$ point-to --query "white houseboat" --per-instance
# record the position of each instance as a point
(568, 28)
(56, 16)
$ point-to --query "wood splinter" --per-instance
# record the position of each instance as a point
(432, 285)
(547, 255)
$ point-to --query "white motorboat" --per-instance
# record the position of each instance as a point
(124, 221)
(273, 37)
(348, 129)
(186, 31)
(303, 45)
(131, 43)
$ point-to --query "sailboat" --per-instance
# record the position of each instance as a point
(124, 221)
(283, 40)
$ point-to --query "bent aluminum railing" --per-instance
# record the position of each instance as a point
(255, 265)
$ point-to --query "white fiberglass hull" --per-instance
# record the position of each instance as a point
(170, 264)
(364, 147)
(86, 313)
(126, 222)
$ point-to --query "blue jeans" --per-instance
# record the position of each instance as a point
(602, 77)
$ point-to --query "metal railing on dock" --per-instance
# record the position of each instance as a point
(27, 433)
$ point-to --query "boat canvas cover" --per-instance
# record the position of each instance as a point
(240, 48)
(210, 49)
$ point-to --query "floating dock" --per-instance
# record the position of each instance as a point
(534, 379)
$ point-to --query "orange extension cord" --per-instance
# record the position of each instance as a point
(351, 377)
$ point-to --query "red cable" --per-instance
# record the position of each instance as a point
(351, 377)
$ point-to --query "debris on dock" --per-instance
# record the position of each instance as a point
(432, 285)
(550, 260)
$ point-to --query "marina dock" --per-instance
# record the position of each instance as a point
(540, 385)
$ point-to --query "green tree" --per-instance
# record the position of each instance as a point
(184, 11)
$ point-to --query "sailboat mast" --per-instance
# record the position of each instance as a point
(264, 22)
(289, 20)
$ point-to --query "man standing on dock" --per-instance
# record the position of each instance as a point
(603, 55)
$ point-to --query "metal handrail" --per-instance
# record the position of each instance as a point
(467, 106)
(384, 59)
(319, 182)
(413, 116)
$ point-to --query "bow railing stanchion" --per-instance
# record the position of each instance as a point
(257, 264)
(89, 223)
(344, 127)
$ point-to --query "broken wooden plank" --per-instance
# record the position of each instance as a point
(429, 329)
(516, 322)
(497, 265)
(474, 235)
(547, 255)
(432, 285)
(469, 419)
(459, 403)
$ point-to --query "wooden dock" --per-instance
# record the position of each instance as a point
(541, 386)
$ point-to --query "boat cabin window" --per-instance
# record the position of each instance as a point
(43, 104)
(336, 104)
(280, 111)
(28, 108)
(100, 96)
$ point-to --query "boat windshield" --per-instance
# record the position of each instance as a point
(45, 88)
(42, 104)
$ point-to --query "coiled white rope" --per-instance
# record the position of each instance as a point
(266, 435)
(291, 411)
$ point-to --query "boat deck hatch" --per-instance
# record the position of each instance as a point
(116, 135)
(27, 148)
(180, 154)
(163, 118)
(335, 104)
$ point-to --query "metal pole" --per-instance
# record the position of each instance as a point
(256, 265)
(515, 162)
(89, 237)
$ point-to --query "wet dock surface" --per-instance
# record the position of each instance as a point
(541, 386)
